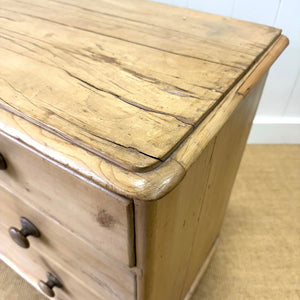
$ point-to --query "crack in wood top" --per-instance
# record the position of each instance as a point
(121, 80)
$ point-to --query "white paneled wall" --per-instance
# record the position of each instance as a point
(278, 116)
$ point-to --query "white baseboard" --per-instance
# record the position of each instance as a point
(274, 134)
(275, 130)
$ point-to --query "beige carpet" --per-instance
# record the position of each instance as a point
(259, 253)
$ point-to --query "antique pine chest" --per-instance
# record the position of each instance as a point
(122, 125)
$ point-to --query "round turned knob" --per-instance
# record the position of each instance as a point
(20, 236)
(3, 164)
(47, 287)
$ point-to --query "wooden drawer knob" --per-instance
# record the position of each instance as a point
(20, 236)
(47, 287)
(3, 164)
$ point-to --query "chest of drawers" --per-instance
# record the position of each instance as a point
(122, 125)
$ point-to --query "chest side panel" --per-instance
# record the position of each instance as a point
(176, 233)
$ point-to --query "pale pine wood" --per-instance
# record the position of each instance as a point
(228, 149)
(108, 93)
(175, 234)
(144, 23)
(67, 73)
(100, 218)
(165, 230)
(147, 186)
(201, 271)
(33, 267)
(100, 272)
(196, 142)
(264, 66)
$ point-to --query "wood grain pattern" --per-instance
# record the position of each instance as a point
(149, 185)
(109, 93)
(33, 267)
(165, 230)
(175, 234)
(195, 143)
(108, 81)
(264, 66)
(99, 272)
(228, 150)
(201, 271)
(101, 219)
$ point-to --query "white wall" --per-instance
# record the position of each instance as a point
(278, 115)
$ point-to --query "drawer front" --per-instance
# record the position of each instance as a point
(98, 271)
(97, 216)
(34, 267)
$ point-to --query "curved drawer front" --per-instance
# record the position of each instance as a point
(96, 270)
(100, 218)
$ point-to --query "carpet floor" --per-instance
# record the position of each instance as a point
(258, 256)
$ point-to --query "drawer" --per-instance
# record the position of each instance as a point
(95, 215)
(96, 270)
(33, 267)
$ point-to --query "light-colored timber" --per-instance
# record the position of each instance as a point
(122, 125)
(76, 53)
(196, 142)
(100, 272)
(201, 271)
(33, 267)
(149, 185)
(175, 233)
(102, 219)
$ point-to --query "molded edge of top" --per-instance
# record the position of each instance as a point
(154, 184)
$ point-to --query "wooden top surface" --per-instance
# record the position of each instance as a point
(125, 80)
